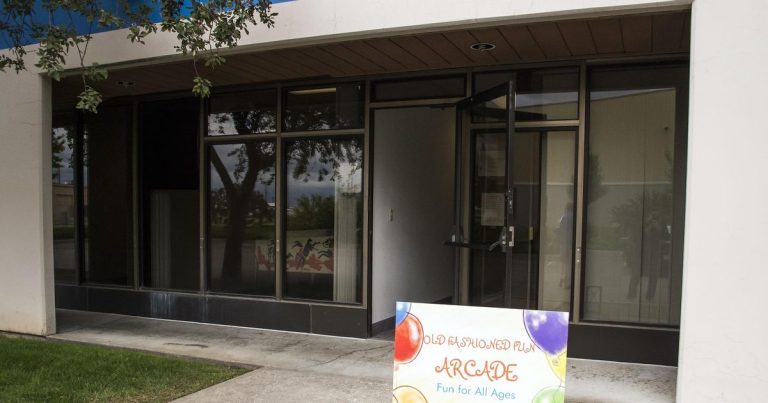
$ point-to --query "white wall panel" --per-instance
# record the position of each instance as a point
(26, 247)
(412, 179)
(723, 331)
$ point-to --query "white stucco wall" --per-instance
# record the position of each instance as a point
(26, 254)
(723, 332)
(413, 177)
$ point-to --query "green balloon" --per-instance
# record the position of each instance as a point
(552, 394)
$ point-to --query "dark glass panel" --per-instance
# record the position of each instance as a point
(489, 184)
(324, 219)
(634, 184)
(539, 264)
(551, 94)
(64, 207)
(170, 194)
(494, 110)
(324, 108)
(108, 196)
(241, 218)
(502, 277)
(423, 88)
(243, 113)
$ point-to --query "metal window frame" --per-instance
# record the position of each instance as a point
(205, 240)
(279, 136)
(366, 131)
(578, 293)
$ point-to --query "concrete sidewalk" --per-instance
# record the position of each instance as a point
(296, 367)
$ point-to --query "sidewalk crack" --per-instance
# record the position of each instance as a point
(345, 355)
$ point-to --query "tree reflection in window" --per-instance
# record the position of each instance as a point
(243, 113)
(326, 108)
(633, 253)
(63, 195)
(242, 217)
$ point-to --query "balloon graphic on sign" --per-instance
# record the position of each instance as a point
(552, 394)
(558, 364)
(407, 394)
(549, 330)
(401, 311)
(409, 335)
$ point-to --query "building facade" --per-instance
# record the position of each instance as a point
(571, 156)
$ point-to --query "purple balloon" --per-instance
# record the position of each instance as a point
(548, 329)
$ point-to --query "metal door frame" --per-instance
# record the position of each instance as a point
(461, 221)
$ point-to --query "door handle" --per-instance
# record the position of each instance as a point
(501, 242)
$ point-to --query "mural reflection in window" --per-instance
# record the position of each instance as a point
(242, 218)
(324, 216)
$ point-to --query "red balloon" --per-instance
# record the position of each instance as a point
(408, 337)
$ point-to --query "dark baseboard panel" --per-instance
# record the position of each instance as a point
(383, 326)
(608, 343)
(591, 341)
(624, 344)
(388, 324)
(223, 310)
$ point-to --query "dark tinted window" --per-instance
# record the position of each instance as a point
(108, 196)
(241, 217)
(170, 194)
(324, 108)
(551, 94)
(243, 113)
(64, 197)
(433, 87)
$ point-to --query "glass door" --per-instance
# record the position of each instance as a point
(494, 256)
(516, 206)
(504, 215)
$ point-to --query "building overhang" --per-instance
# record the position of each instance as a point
(661, 34)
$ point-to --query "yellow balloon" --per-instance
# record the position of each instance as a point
(407, 394)
(558, 364)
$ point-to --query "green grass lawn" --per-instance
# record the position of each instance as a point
(45, 371)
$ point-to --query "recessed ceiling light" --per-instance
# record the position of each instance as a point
(125, 84)
(482, 46)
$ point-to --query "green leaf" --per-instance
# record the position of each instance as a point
(214, 60)
(95, 73)
(89, 100)
(201, 87)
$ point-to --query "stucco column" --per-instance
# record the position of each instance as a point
(724, 329)
(26, 249)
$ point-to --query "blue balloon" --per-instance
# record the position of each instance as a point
(401, 311)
